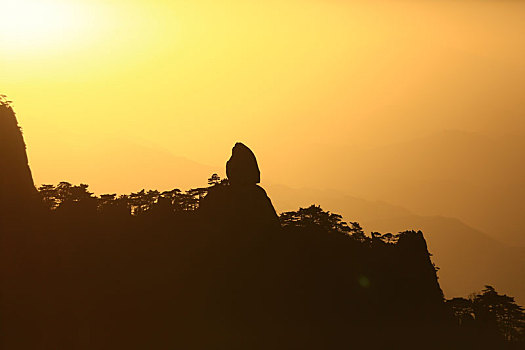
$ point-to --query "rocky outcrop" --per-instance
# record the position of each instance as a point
(242, 168)
(17, 190)
(240, 203)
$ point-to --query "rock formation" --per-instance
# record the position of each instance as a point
(17, 190)
(242, 168)
(241, 203)
(21, 245)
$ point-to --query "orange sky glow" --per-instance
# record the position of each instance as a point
(417, 103)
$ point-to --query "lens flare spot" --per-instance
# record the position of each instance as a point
(364, 281)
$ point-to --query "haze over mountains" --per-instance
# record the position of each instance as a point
(122, 167)
(476, 178)
(462, 189)
(468, 258)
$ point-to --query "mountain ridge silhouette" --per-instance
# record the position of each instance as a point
(442, 234)
(212, 267)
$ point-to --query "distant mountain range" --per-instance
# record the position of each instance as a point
(123, 167)
(464, 190)
(468, 258)
(477, 178)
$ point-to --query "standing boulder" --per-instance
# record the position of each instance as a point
(241, 203)
(242, 168)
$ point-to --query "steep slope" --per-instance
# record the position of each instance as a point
(17, 190)
(468, 258)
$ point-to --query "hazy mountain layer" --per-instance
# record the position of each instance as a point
(468, 258)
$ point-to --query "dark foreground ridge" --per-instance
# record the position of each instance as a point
(215, 268)
(17, 190)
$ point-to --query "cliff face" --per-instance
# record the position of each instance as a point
(17, 189)
(407, 281)
(21, 245)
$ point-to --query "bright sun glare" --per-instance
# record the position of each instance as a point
(37, 24)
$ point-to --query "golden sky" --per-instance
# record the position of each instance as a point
(116, 93)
